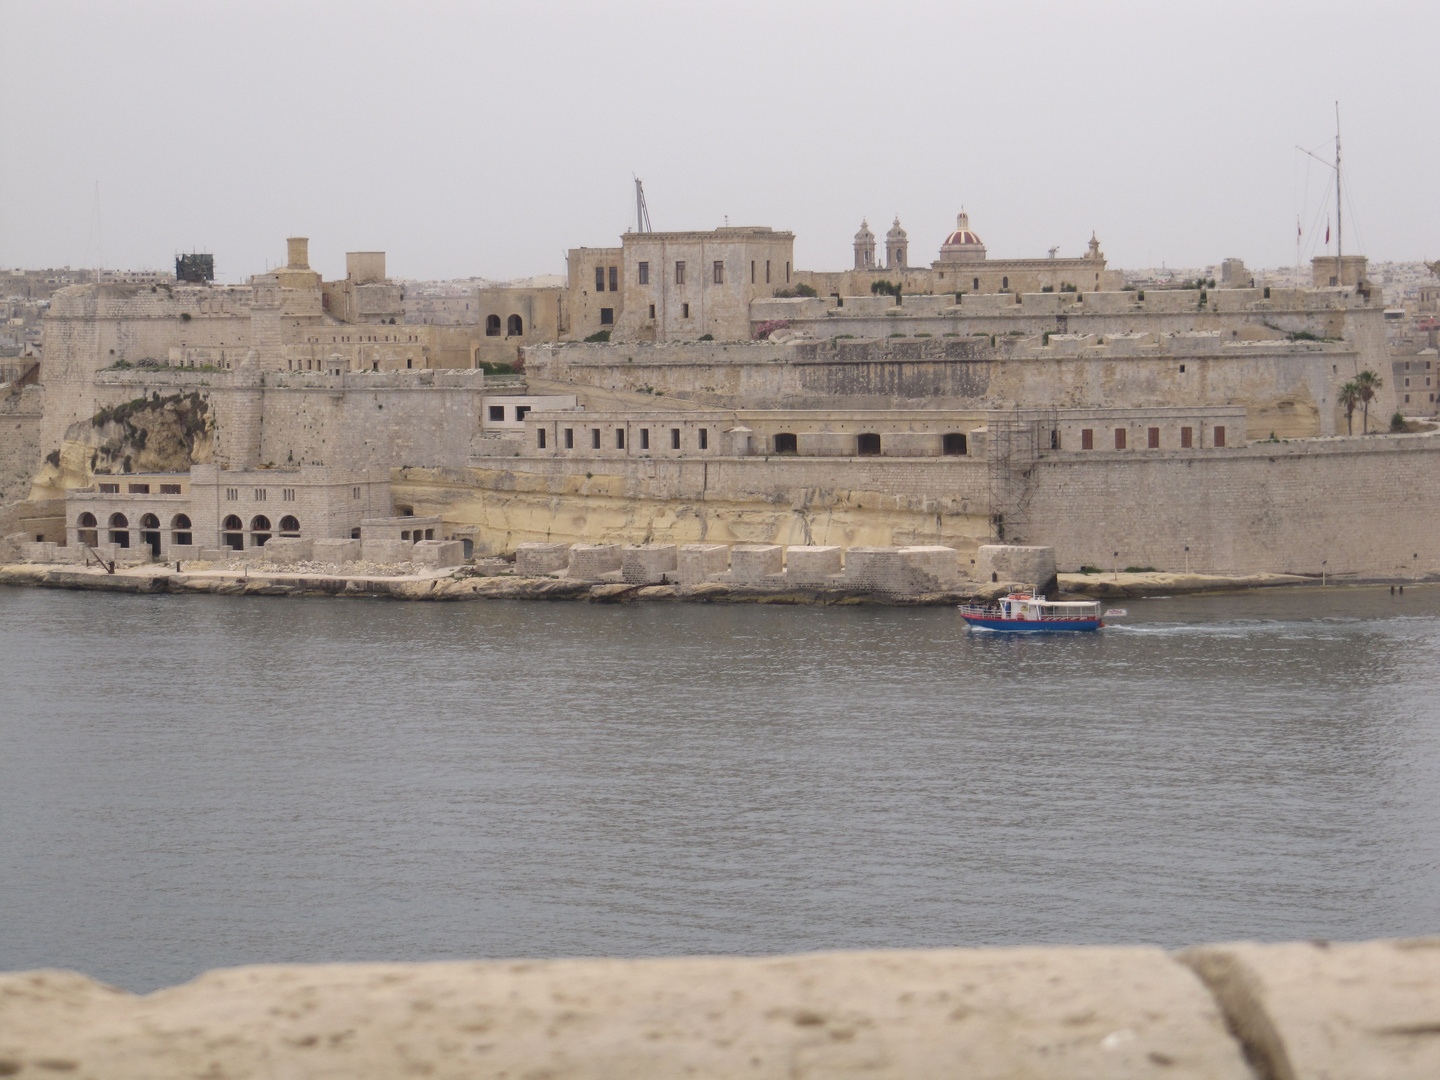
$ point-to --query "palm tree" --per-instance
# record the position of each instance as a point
(1350, 398)
(1368, 382)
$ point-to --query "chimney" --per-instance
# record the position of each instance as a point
(299, 248)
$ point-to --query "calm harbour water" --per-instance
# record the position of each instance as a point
(189, 782)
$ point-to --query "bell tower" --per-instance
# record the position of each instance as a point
(897, 245)
(865, 248)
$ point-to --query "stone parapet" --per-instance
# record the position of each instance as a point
(386, 551)
(288, 549)
(813, 564)
(751, 564)
(1312, 1011)
(438, 554)
(330, 550)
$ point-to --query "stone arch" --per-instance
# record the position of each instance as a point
(180, 530)
(233, 533)
(868, 444)
(259, 530)
(119, 530)
(515, 326)
(289, 525)
(786, 443)
(150, 533)
(492, 325)
(86, 531)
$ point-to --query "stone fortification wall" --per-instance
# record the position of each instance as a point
(1302, 1011)
(1287, 387)
(1341, 505)
(353, 420)
(90, 327)
(21, 413)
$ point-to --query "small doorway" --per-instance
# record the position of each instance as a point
(869, 444)
(954, 444)
(233, 534)
(786, 443)
(119, 530)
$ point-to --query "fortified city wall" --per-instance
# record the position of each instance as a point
(1337, 506)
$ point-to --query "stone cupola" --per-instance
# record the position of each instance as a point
(864, 248)
(897, 245)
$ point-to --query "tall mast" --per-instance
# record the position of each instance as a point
(642, 212)
(1339, 226)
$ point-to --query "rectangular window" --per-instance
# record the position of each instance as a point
(497, 412)
(1154, 438)
(1407, 383)
(354, 493)
(521, 411)
(288, 494)
(767, 271)
(644, 275)
(607, 316)
(139, 489)
(1087, 439)
(540, 438)
(704, 438)
(674, 438)
(614, 279)
(652, 311)
(595, 438)
(114, 489)
(1187, 438)
(1119, 438)
(169, 489)
(719, 272)
(752, 271)
(1219, 436)
(569, 438)
(259, 494)
(679, 273)
(787, 273)
(619, 438)
(644, 438)
(684, 311)
(599, 279)
(1407, 399)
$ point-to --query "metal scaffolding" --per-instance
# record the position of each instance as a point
(1017, 440)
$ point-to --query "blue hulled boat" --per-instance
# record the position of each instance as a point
(1030, 613)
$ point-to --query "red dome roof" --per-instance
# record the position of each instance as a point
(962, 236)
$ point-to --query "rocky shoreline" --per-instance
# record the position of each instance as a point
(465, 584)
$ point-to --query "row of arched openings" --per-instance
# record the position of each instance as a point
(514, 326)
(118, 531)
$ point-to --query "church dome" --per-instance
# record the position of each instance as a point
(962, 245)
(896, 232)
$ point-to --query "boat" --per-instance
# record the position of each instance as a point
(1030, 612)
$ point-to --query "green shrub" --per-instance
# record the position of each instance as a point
(707, 337)
(1397, 422)
(1089, 570)
(1139, 570)
(599, 337)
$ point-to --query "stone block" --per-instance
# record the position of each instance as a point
(288, 549)
(590, 562)
(182, 552)
(750, 564)
(1312, 1010)
(439, 554)
(812, 564)
(533, 560)
(1056, 1013)
(878, 569)
(386, 552)
(648, 564)
(220, 554)
(826, 443)
(40, 551)
(335, 550)
(695, 563)
(930, 568)
(1029, 565)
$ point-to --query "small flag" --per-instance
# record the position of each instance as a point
(1299, 232)
(1327, 231)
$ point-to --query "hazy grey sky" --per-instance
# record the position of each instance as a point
(486, 139)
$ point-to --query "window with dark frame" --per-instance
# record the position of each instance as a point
(497, 412)
(595, 438)
(614, 279)
(704, 438)
(1119, 438)
(674, 438)
(569, 438)
(1219, 436)
(1154, 438)
(619, 438)
(1187, 438)
(1087, 439)
(540, 438)
(644, 273)
(679, 273)
(719, 272)
(599, 279)
(684, 311)
(607, 316)
(644, 438)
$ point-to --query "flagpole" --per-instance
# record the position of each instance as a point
(1339, 224)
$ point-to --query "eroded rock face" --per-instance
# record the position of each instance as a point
(154, 434)
(982, 1013)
